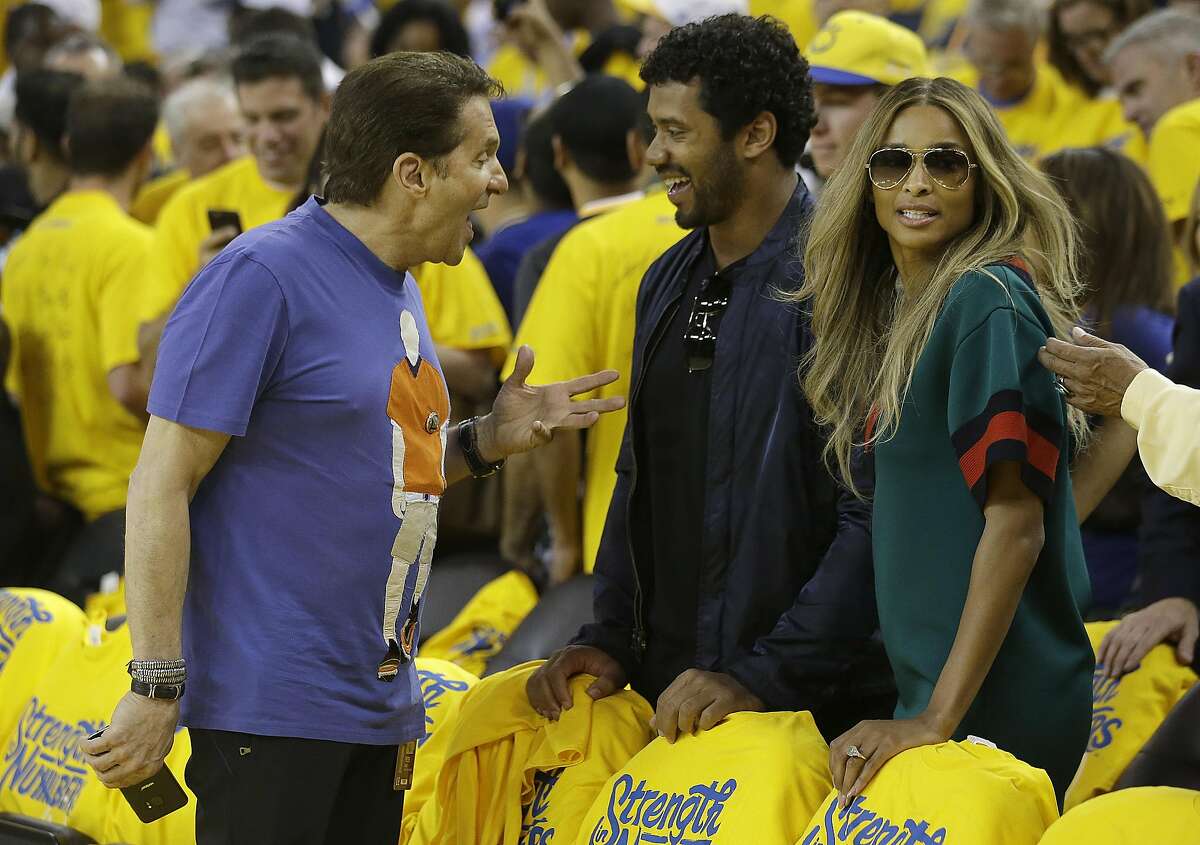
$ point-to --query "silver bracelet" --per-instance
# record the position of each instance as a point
(157, 671)
(159, 677)
(157, 664)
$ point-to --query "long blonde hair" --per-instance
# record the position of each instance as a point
(867, 337)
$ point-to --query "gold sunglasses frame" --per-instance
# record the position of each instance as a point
(914, 156)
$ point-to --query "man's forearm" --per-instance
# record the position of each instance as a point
(558, 467)
(520, 511)
(1099, 468)
(157, 559)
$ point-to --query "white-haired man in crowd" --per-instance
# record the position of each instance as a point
(1156, 72)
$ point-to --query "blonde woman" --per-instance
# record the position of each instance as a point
(938, 263)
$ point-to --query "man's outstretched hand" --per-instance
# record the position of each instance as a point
(1094, 372)
(524, 417)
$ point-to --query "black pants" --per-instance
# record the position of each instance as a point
(265, 790)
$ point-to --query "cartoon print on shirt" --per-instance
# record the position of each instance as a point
(419, 410)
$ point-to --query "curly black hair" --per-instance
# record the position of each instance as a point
(745, 66)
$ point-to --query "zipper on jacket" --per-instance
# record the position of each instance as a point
(638, 642)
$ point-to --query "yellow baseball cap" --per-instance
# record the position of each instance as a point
(857, 48)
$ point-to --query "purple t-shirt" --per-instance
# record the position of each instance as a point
(316, 357)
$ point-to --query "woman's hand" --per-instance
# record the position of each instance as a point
(877, 742)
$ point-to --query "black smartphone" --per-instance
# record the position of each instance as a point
(156, 796)
(219, 218)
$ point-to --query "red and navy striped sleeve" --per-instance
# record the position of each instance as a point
(1007, 430)
(1002, 404)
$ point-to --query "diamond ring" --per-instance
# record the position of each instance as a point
(853, 751)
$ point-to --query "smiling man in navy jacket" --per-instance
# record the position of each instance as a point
(734, 573)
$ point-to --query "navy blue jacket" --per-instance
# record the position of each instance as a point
(786, 593)
(1169, 544)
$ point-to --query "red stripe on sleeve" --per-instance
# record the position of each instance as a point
(1042, 455)
(1007, 425)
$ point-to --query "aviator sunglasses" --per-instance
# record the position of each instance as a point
(700, 336)
(890, 166)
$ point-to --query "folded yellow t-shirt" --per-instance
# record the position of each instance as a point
(955, 792)
(755, 777)
(1126, 711)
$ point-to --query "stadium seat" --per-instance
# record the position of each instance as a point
(452, 583)
(23, 830)
(549, 626)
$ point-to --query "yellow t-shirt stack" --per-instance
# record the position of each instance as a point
(462, 307)
(484, 624)
(1147, 814)
(42, 773)
(1126, 711)
(1055, 116)
(73, 296)
(581, 320)
(563, 796)
(939, 795)
(755, 777)
(35, 625)
(443, 686)
(487, 785)
(183, 222)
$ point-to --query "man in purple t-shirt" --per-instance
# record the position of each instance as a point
(283, 513)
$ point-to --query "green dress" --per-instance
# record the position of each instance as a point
(979, 396)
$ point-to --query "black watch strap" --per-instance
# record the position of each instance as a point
(163, 692)
(468, 442)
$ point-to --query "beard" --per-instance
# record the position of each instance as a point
(717, 193)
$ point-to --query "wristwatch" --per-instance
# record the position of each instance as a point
(468, 442)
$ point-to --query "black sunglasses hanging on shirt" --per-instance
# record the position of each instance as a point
(700, 336)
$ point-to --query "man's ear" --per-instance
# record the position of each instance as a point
(635, 149)
(562, 159)
(758, 136)
(409, 174)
